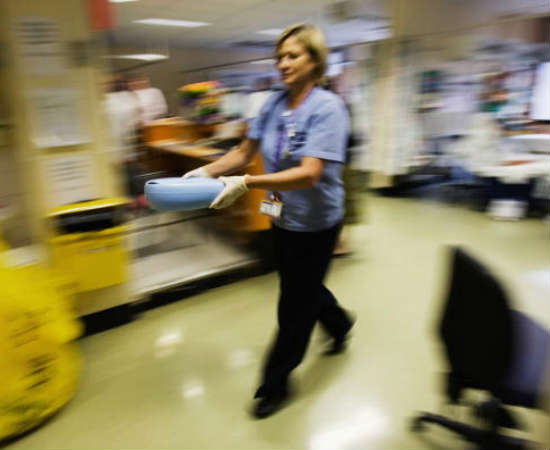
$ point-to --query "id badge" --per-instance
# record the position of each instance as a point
(271, 208)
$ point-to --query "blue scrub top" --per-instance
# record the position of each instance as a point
(319, 128)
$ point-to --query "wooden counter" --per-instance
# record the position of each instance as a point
(175, 147)
(176, 128)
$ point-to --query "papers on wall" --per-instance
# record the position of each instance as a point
(57, 118)
(69, 179)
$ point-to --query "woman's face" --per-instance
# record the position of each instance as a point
(294, 62)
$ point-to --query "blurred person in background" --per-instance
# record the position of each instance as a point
(351, 177)
(124, 114)
(257, 98)
(495, 95)
(151, 99)
(302, 133)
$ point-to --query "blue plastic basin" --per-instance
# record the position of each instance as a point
(179, 194)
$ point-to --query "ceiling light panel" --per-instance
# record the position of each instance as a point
(271, 31)
(172, 23)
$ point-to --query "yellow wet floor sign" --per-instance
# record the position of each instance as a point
(39, 362)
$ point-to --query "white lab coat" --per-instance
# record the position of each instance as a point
(123, 116)
(153, 104)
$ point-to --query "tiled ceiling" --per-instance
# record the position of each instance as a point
(238, 21)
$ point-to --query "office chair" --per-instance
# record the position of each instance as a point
(489, 347)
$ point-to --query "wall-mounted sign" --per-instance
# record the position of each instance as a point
(42, 49)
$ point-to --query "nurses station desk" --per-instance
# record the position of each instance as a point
(173, 249)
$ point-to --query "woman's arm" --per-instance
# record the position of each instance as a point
(234, 160)
(304, 176)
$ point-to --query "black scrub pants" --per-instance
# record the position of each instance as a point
(302, 260)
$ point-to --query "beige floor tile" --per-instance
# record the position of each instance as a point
(182, 375)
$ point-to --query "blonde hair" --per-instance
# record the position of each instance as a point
(313, 39)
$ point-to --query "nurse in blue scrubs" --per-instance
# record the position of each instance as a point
(302, 135)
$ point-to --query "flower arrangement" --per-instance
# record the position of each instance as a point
(201, 101)
(195, 90)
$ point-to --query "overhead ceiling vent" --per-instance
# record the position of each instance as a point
(495, 47)
(348, 10)
(253, 44)
(342, 11)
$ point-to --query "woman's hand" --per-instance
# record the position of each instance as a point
(234, 188)
(201, 172)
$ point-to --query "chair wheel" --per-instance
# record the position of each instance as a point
(417, 425)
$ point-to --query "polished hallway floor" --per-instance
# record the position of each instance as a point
(182, 375)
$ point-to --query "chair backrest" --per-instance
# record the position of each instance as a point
(525, 383)
(476, 326)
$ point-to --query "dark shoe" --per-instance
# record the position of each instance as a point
(269, 405)
(339, 343)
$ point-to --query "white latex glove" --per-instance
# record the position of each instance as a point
(201, 172)
(234, 188)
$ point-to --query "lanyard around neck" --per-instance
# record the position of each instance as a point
(286, 128)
